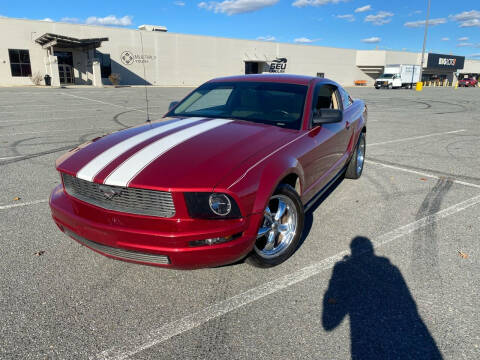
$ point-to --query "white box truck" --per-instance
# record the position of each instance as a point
(398, 76)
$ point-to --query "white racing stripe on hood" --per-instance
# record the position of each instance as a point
(97, 164)
(130, 168)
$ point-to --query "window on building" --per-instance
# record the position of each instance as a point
(20, 62)
(105, 63)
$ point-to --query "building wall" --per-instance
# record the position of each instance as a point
(171, 59)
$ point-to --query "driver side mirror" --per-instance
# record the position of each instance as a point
(327, 116)
(172, 105)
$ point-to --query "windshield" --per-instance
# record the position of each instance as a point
(267, 103)
(386, 76)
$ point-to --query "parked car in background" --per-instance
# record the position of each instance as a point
(228, 173)
(468, 82)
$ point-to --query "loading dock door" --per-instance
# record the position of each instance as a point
(254, 67)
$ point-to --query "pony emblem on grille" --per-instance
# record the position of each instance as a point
(108, 192)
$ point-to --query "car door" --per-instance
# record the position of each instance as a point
(328, 142)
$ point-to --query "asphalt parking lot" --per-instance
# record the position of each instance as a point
(415, 296)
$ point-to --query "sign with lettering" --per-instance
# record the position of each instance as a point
(129, 57)
(441, 61)
(279, 65)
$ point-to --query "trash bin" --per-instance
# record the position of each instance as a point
(48, 80)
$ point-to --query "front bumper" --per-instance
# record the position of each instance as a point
(151, 240)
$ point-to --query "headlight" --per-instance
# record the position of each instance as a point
(212, 206)
(220, 204)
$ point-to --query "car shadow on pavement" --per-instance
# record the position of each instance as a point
(384, 321)
(307, 226)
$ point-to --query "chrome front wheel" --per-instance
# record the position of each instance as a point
(280, 230)
(279, 227)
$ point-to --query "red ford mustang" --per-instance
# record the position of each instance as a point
(229, 172)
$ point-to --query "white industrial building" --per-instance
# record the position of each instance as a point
(87, 55)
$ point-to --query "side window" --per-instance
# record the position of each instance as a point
(346, 99)
(327, 98)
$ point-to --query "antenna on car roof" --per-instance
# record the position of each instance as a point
(145, 78)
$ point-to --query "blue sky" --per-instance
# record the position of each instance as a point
(359, 24)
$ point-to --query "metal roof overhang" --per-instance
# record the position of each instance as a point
(60, 41)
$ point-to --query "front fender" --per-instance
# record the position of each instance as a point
(257, 186)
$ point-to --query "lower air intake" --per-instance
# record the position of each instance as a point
(121, 253)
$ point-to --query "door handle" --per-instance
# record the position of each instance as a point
(347, 125)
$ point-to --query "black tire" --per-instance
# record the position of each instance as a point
(258, 257)
(355, 166)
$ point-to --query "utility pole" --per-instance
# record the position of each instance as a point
(425, 40)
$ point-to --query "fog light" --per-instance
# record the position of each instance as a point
(214, 241)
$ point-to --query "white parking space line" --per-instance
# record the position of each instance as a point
(55, 109)
(107, 103)
(11, 157)
(3, 207)
(420, 173)
(40, 105)
(192, 321)
(415, 137)
(20, 121)
(57, 131)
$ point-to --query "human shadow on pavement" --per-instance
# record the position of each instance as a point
(384, 321)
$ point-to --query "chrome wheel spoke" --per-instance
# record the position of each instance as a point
(282, 207)
(283, 227)
(263, 231)
(270, 241)
(268, 215)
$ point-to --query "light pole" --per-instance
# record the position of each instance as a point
(425, 40)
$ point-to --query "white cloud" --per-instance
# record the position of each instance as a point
(347, 17)
(109, 20)
(363, 9)
(233, 7)
(303, 3)
(267, 38)
(464, 44)
(421, 23)
(179, 3)
(465, 38)
(304, 40)
(381, 18)
(372, 40)
(70, 20)
(467, 18)
(445, 39)
(474, 55)
(47, 19)
(471, 23)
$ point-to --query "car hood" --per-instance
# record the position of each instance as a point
(177, 153)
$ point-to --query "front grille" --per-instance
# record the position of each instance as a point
(128, 200)
(121, 253)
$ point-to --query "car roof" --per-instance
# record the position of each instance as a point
(280, 78)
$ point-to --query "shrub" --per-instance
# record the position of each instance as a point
(114, 78)
(36, 78)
